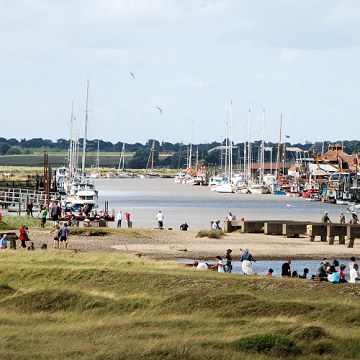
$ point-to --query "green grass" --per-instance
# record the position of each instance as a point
(67, 305)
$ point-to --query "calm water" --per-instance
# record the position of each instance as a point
(197, 205)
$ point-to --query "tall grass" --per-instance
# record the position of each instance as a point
(66, 305)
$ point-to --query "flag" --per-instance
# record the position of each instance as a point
(287, 136)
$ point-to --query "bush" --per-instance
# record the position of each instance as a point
(211, 234)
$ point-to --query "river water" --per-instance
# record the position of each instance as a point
(197, 205)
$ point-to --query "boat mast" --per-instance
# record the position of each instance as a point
(230, 148)
(249, 151)
(262, 151)
(85, 130)
(97, 165)
(278, 152)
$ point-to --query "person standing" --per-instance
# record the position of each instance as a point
(342, 218)
(285, 269)
(246, 262)
(354, 274)
(325, 218)
(119, 219)
(63, 236)
(43, 215)
(29, 208)
(160, 219)
(127, 218)
(354, 219)
(23, 236)
(55, 213)
(228, 259)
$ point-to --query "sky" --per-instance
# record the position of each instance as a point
(191, 59)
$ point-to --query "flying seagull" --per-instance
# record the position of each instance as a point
(160, 110)
(132, 74)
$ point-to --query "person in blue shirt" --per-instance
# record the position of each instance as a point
(63, 236)
(3, 244)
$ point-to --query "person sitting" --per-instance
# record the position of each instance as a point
(321, 271)
(294, 274)
(305, 273)
(342, 273)
(3, 244)
(216, 225)
(334, 276)
(270, 272)
(184, 226)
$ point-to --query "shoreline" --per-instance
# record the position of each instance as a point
(180, 245)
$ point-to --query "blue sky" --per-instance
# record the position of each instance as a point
(190, 58)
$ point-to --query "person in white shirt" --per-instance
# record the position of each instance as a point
(160, 219)
(354, 274)
(119, 219)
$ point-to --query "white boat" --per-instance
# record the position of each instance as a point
(81, 198)
(259, 189)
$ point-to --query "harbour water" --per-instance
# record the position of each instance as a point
(197, 205)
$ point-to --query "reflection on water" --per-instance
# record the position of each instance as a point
(197, 205)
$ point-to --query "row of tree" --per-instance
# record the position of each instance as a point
(172, 155)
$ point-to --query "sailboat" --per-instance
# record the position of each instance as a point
(152, 173)
(122, 174)
(226, 185)
(81, 189)
(259, 187)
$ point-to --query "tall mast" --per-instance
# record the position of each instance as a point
(230, 140)
(97, 165)
(85, 130)
(278, 152)
(262, 151)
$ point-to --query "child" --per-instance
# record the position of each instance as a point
(270, 272)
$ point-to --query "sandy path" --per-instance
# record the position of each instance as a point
(175, 244)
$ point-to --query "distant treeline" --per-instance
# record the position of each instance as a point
(166, 154)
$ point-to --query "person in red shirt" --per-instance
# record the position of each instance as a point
(23, 236)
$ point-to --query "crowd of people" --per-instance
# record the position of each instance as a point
(330, 272)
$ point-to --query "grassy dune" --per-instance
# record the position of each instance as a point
(68, 305)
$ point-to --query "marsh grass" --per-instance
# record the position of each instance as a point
(211, 234)
(66, 305)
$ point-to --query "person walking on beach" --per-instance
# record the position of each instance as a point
(285, 269)
(127, 218)
(342, 218)
(325, 218)
(160, 219)
(119, 219)
(228, 259)
(246, 260)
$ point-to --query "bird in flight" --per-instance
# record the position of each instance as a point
(132, 74)
(160, 110)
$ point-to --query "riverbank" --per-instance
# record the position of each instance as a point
(174, 245)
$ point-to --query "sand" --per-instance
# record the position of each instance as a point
(174, 244)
